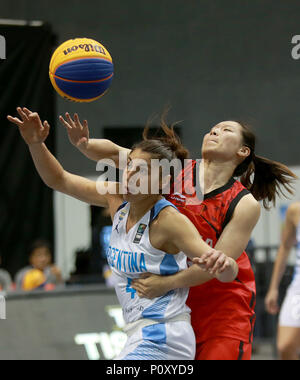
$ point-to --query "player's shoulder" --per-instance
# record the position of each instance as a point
(248, 205)
(293, 209)
(168, 218)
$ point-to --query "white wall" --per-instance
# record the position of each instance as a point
(72, 230)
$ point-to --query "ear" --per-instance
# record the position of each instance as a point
(244, 152)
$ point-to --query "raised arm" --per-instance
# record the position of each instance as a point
(94, 149)
(34, 133)
(288, 239)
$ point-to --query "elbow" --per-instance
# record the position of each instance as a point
(55, 182)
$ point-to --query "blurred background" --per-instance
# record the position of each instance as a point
(210, 60)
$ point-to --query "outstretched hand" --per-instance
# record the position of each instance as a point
(30, 126)
(78, 133)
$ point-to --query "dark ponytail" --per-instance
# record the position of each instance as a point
(264, 178)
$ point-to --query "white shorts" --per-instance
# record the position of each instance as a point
(290, 310)
(161, 341)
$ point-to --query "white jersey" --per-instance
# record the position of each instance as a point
(131, 254)
(290, 309)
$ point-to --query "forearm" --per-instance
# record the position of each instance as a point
(98, 149)
(48, 167)
(195, 276)
(279, 268)
(187, 278)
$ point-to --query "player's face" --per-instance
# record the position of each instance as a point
(223, 141)
(40, 258)
(137, 176)
(141, 180)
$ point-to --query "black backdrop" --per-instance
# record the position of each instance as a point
(26, 205)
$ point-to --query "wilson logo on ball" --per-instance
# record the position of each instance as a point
(86, 47)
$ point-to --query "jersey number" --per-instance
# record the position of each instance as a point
(129, 289)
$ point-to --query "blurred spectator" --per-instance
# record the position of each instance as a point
(84, 273)
(82, 267)
(41, 274)
(5, 279)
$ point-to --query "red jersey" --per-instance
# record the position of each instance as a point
(218, 309)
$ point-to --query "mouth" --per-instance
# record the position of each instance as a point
(126, 189)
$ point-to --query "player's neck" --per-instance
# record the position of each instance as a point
(216, 174)
(140, 208)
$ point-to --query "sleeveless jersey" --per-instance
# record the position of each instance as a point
(131, 254)
(218, 309)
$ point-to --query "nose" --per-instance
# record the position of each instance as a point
(214, 132)
(130, 173)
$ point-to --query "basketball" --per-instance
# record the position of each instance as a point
(81, 70)
(33, 279)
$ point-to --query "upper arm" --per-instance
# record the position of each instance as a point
(104, 194)
(288, 237)
(237, 233)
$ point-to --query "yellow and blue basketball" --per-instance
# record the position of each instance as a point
(81, 70)
(33, 279)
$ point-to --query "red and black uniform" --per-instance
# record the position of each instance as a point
(222, 313)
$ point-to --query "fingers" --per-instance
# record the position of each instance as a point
(145, 275)
(139, 288)
(64, 123)
(142, 290)
(22, 114)
(221, 264)
(46, 125)
(27, 111)
(213, 261)
(15, 120)
(77, 121)
(70, 120)
(211, 258)
(85, 124)
(272, 306)
(70, 123)
(207, 255)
